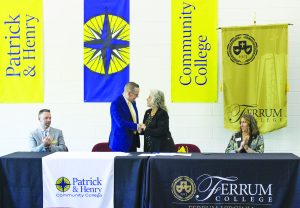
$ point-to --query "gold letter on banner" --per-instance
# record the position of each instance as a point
(255, 75)
(194, 51)
(21, 51)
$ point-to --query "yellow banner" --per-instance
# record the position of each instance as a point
(255, 75)
(194, 51)
(21, 53)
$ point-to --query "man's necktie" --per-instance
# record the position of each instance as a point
(45, 133)
(132, 112)
(133, 116)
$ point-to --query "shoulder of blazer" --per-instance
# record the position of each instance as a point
(35, 132)
(119, 99)
(54, 130)
(237, 134)
(119, 102)
(162, 112)
(148, 111)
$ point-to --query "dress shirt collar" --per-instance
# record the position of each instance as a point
(43, 130)
(127, 101)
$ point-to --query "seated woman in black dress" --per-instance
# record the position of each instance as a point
(156, 125)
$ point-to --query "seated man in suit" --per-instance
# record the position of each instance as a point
(124, 121)
(46, 138)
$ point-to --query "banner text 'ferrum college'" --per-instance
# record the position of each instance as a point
(255, 75)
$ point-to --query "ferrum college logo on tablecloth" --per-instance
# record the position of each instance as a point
(183, 188)
(209, 190)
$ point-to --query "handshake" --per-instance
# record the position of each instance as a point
(141, 127)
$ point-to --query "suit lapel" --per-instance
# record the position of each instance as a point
(51, 133)
(239, 143)
(136, 111)
(40, 134)
(125, 107)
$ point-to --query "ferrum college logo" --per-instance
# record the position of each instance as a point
(242, 49)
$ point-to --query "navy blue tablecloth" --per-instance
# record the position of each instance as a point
(202, 180)
(21, 184)
(130, 180)
(21, 180)
(224, 180)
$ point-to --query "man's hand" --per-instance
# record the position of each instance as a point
(141, 127)
(47, 141)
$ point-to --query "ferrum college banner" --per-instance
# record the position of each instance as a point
(106, 49)
(194, 51)
(21, 53)
(255, 75)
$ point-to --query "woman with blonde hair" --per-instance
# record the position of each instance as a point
(156, 125)
(248, 139)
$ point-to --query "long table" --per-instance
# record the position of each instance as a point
(21, 184)
(21, 180)
(198, 181)
(224, 180)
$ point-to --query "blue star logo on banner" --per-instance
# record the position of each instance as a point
(106, 49)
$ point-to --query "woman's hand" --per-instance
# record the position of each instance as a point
(241, 146)
(141, 127)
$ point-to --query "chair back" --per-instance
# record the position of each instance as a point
(101, 147)
(187, 148)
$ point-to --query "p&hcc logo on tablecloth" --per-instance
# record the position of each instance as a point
(79, 187)
(242, 49)
(183, 188)
(62, 184)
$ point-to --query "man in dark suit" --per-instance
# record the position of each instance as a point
(124, 120)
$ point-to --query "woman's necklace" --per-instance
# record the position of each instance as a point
(153, 112)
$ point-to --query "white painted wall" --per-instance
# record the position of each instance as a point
(85, 124)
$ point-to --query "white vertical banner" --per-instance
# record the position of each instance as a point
(79, 179)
